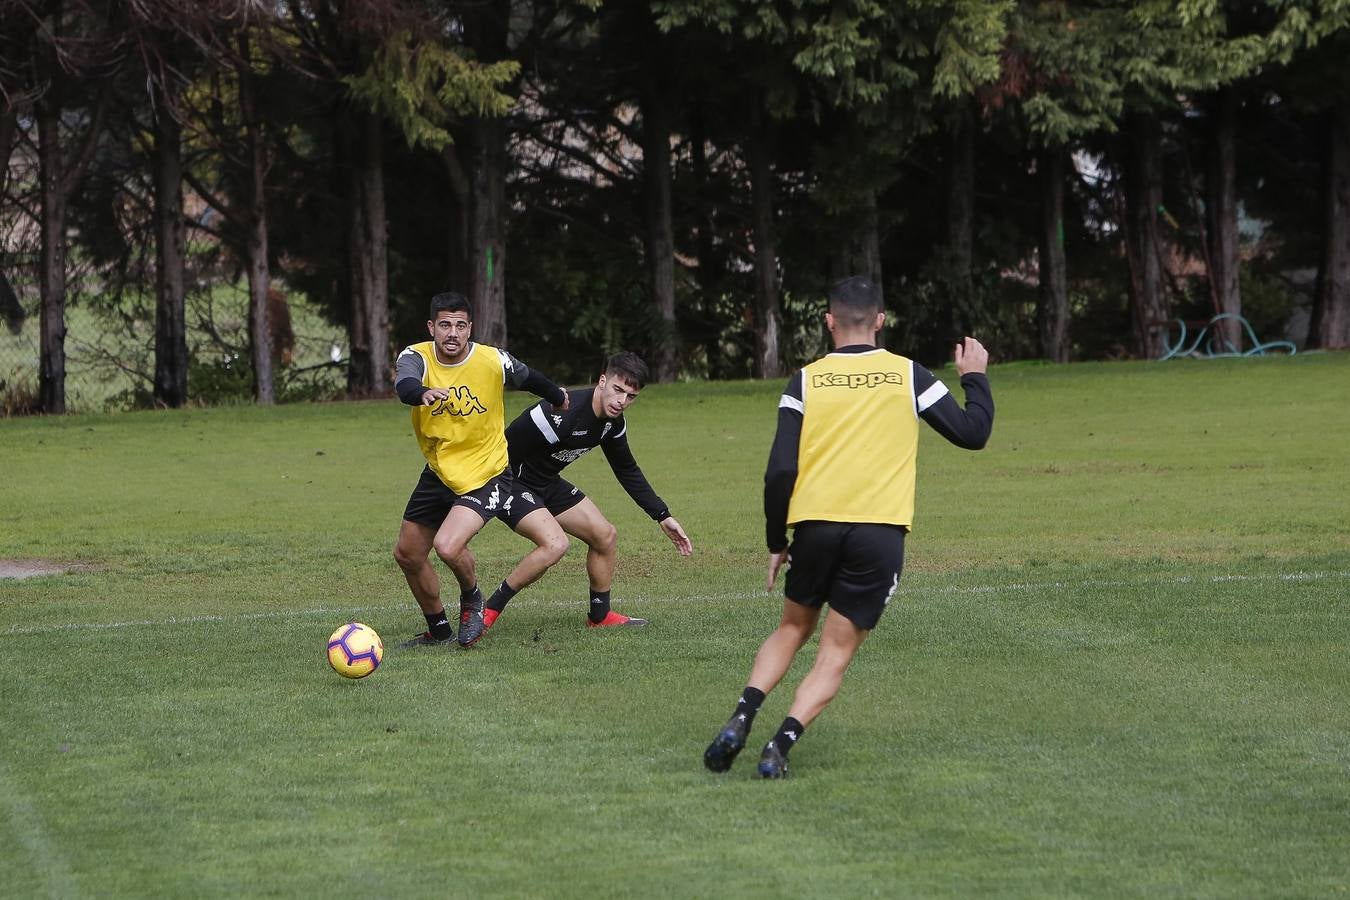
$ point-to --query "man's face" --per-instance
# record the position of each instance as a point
(450, 332)
(615, 393)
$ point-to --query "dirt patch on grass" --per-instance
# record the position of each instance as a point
(32, 568)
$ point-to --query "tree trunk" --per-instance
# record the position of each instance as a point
(457, 224)
(961, 210)
(367, 244)
(52, 277)
(768, 318)
(255, 239)
(660, 234)
(709, 262)
(171, 353)
(858, 251)
(1053, 313)
(487, 230)
(1143, 197)
(9, 129)
(10, 308)
(1330, 325)
(1223, 219)
(712, 259)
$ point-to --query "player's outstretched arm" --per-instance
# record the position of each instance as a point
(969, 427)
(522, 377)
(677, 536)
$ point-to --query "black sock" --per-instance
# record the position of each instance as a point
(439, 626)
(501, 596)
(788, 735)
(471, 599)
(599, 606)
(748, 705)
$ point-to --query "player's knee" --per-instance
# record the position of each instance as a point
(607, 540)
(799, 632)
(406, 558)
(556, 547)
(448, 551)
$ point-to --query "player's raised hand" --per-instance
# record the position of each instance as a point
(567, 399)
(677, 535)
(776, 561)
(971, 357)
(434, 395)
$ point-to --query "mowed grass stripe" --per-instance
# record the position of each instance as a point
(936, 590)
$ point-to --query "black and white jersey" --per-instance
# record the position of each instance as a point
(544, 440)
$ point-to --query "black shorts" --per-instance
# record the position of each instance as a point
(432, 500)
(853, 567)
(557, 496)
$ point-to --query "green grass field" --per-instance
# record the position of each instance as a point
(1117, 665)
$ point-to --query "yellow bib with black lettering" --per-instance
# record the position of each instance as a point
(464, 436)
(860, 440)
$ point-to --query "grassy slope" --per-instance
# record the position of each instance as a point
(1117, 667)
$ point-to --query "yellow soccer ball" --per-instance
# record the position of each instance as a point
(355, 650)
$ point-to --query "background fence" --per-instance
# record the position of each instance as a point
(110, 351)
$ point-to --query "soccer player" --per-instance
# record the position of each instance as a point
(456, 390)
(841, 472)
(544, 440)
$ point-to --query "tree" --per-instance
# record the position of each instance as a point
(172, 42)
(251, 210)
(1319, 81)
(433, 83)
(73, 42)
(1056, 83)
(356, 47)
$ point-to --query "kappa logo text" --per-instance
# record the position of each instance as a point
(461, 402)
(856, 379)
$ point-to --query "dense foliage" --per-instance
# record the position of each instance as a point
(680, 177)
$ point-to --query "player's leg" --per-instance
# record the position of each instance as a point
(869, 562)
(839, 641)
(772, 662)
(426, 510)
(411, 552)
(452, 538)
(550, 545)
(465, 569)
(452, 546)
(775, 655)
(807, 585)
(585, 521)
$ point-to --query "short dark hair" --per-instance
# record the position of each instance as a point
(451, 301)
(855, 300)
(627, 365)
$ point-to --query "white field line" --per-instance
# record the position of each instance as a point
(943, 590)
